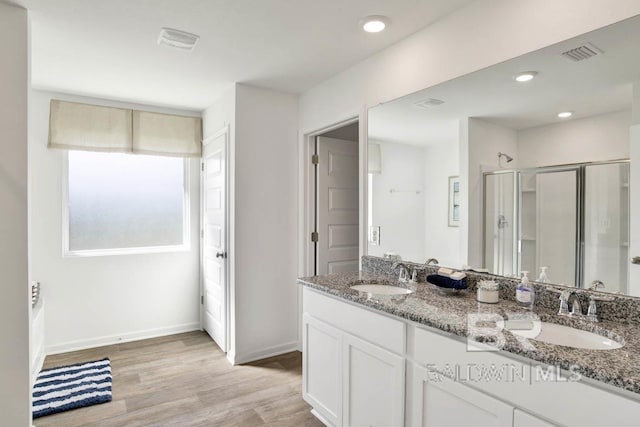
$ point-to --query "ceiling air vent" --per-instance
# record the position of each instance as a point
(583, 52)
(178, 39)
(428, 103)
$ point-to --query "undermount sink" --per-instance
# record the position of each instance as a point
(381, 289)
(552, 333)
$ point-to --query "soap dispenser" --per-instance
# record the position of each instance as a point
(543, 275)
(525, 293)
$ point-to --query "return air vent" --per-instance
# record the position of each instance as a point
(428, 103)
(583, 52)
(178, 39)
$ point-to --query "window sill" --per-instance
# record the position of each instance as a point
(124, 251)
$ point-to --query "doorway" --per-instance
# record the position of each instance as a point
(335, 215)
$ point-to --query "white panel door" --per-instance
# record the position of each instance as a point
(322, 368)
(338, 217)
(373, 385)
(214, 226)
(522, 419)
(439, 401)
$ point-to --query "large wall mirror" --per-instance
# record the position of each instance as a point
(539, 191)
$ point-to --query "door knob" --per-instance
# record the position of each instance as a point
(221, 254)
(635, 260)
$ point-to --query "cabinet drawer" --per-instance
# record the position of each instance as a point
(374, 327)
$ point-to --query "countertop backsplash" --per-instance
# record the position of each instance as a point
(624, 309)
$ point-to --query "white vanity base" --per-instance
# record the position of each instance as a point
(365, 368)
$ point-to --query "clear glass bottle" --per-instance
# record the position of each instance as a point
(525, 293)
(543, 275)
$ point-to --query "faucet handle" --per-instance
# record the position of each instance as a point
(564, 301)
(564, 307)
(404, 273)
(592, 314)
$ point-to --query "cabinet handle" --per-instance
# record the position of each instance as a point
(221, 254)
(635, 260)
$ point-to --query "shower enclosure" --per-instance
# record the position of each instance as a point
(573, 219)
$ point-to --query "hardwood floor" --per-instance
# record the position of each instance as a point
(185, 380)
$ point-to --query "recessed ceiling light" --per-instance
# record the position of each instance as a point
(374, 23)
(525, 76)
(428, 103)
(565, 114)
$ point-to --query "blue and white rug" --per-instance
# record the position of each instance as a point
(70, 387)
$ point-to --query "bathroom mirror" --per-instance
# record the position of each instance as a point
(535, 189)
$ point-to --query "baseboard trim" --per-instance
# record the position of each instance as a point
(321, 418)
(239, 359)
(117, 339)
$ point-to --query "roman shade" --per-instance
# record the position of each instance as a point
(76, 126)
(165, 134)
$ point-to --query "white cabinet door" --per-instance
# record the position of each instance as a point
(522, 419)
(373, 385)
(322, 369)
(439, 401)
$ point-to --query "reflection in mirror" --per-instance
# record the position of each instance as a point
(537, 191)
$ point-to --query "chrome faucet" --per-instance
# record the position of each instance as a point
(404, 270)
(407, 274)
(576, 309)
(431, 261)
(565, 297)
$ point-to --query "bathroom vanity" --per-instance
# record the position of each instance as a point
(396, 360)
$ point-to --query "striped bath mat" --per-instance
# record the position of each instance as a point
(71, 387)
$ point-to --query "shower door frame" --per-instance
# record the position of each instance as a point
(580, 169)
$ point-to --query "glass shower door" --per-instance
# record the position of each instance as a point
(606, 225)
(548, 235)
(499, 223)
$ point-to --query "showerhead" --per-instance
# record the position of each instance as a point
(507, 157)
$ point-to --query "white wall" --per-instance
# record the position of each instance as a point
(15, 305)
(401, 215)
(441, 241)
(596, 138)
(94, 301)
(485, 140)
(263, 252)
(266, 169)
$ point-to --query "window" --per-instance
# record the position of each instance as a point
(123, 203)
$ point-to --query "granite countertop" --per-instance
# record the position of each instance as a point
(449, 313)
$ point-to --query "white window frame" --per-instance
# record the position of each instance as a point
(186, 223)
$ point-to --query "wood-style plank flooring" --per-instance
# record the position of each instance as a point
(185, 380)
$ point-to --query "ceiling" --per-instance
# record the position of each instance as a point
(593, 86)
(109, 48)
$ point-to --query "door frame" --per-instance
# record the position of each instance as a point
(229, 273)
(306, 195)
